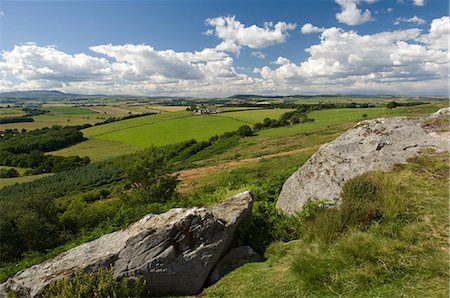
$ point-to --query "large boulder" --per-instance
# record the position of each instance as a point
(370, 145)
(173, 252)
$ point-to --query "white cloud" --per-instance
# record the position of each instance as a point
(2, 13)
(414, 19)
(438, 35)
(350, 13)
(418, 2)
(403, 61)
(258, 55)
(31, 62)
(390, 10)
(236, 35)
(310, 28)
(386, 59)
(281, 61)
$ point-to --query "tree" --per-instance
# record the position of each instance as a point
(392, 105)
(149, 176)
(245, 131)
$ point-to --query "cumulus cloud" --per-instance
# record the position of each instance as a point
(310, 28)
(235, 35)
(414, 19)
(437, 37)
(345, 58)
(32, 62)
(350, 13)
(258, 55)
(401, 61)
(281, 61)
(2, 13)
(419, 2)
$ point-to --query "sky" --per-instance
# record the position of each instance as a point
(221, 48)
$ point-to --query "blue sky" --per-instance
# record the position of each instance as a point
(155, 47)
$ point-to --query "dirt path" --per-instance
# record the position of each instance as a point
(191, 174)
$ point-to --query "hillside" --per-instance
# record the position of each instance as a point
(396, 246)
(381, 214)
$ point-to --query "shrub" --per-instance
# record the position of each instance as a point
(8, 173)
(245, 131)
(150, 178)
(97, 284)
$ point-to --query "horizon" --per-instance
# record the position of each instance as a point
(225, 48)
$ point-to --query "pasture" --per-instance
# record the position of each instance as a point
(130, 135)
(97, 149)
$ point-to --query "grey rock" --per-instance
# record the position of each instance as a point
(235, 258)
(370, 145)
(173, 252)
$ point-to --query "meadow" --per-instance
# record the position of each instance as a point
(167, 128)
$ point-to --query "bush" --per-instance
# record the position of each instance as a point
(391, 105)
(8, 173)
(97, 284)
(245, 131)
(149, 176)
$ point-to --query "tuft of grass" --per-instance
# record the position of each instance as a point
(96, 284)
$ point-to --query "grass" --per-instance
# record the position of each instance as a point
(328, 125)
(132, 123)
(199, 128)
(254, 116)
(403, 252)
(11, 112)
(22, 179)
(97, 149)
(69, 110)
(325, 118)
(176, 127)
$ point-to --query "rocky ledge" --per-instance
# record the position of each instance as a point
(173, 252)
(371, 145)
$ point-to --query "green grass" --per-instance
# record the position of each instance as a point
(403, 252)
(97, 149)
(22, 179)
(132, 123)
(254, 116)
(176, 127)
(327, 118)
(21, 171)
(69, 110)
(199, 128)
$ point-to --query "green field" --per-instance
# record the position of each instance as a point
(176, 127)
(254, 116)
(11, 112)
(132, 123)
(174, 131)
(97, 149)
(69, 110)
(22, 179)
(127, 136)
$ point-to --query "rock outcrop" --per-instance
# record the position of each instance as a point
(370, 145)
(174, 251)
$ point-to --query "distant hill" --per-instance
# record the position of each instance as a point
(38, 95)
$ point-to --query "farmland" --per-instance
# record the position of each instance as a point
(130, 135)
